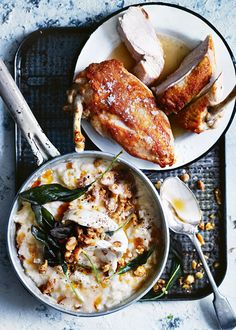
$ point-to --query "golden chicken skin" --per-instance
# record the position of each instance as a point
(120, 106)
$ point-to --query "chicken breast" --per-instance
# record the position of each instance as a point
(194, 73)
(139, 36)
(196, 117)
(119, 106)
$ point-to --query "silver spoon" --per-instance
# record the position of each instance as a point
(177, 223)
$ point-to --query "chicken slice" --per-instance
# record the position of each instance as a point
(196, 116)
(194, 73)
(139, 36)
(119, 106)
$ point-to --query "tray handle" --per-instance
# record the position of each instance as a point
(41, 147)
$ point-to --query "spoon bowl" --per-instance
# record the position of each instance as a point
(184, 214)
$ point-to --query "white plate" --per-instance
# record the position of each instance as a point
(191, 28)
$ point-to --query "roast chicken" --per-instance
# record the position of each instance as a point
(194, 73)
(121, 107)
(205, 112)
(140, 38)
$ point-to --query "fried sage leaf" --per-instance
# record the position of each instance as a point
(42, 237)
(55, 192)
(43, 217)
(138, 261)
(61, 231)
(52, 192)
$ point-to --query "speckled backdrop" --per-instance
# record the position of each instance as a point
(18, 310)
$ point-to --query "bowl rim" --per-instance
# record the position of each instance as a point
(12, 251)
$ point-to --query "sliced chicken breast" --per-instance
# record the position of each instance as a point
(194, 73)
(196, 117)
(139, 36)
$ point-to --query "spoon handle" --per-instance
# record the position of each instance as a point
(42, 148)
(224, 312)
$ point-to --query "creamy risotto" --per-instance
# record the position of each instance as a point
(107, 237)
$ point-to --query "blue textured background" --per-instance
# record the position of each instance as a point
(18, 310)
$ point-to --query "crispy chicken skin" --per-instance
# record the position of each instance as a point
(191, 77)
(119, 106)
(193, 117)
(196, 117)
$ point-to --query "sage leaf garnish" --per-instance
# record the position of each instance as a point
(41, 236)
(135, 263)
(52, 192)
(138, 261)
(61, 232)
(43, 217)
(94, 268)
(55, 192)
(47, 217)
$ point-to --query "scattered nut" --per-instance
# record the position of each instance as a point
(201, 225)
(189, 279)
(184, 177)
(200, 238)
(156, 288)
(47, 287)
(140, 249)
(89, 241)
(76, 253)
(199, 275)
(200, 185)
(212, 216)
(209, 226)
(216, 264)
(121, 262)
(161, 282)
(69, 257)
(71, 243)
(43, 268)
(158, 184)
(218, 196)
(116, 244)
(97, 162)
(106, 268)
(60, 299)
(194, 264)
(140, 271)
(186, 286)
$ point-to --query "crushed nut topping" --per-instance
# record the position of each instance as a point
(71, 243)
(43, 268)
(140, 271)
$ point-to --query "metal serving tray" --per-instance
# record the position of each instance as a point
(44, 66)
